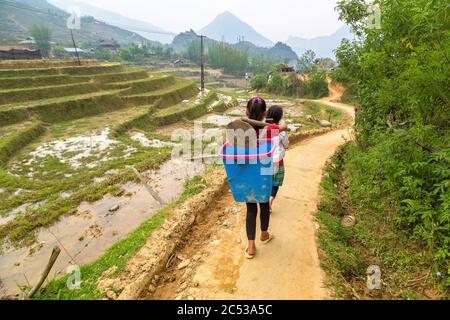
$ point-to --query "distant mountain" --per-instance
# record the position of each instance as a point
(227, 27)
(283, 52)
(279, 52)
(182, 40)
(115, 19)
(322, 46)
(15, 22)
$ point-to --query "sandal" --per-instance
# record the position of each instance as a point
(248, 255)
(268, 239)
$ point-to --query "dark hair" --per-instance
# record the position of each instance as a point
(256, 107)
(274, 114)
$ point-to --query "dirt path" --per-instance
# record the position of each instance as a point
(212, 265)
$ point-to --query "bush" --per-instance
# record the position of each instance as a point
(293, 86)
(400, 72)
(259, 81)
(275, 84)
(317, 86)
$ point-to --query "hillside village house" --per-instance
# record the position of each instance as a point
(19, 52)
(28, 41)
(74, 51)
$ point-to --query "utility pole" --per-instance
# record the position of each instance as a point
(202, 64)
(75, 46)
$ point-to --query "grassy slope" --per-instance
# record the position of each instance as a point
(346, 253)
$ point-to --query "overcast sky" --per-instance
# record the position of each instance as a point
(275, 19)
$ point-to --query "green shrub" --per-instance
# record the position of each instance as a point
(400, 72)
(293, 86)
(275, 83)
(317, 86)
(259, 81)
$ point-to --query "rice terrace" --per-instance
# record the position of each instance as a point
(67, 142)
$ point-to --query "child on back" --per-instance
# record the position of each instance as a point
(256, 110)
(281, 142)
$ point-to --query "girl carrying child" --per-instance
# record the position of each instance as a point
(257, 110)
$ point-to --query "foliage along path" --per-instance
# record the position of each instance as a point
(286, 268)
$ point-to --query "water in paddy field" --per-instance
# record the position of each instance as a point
(153, 143)
(85, 235)
(219, 120)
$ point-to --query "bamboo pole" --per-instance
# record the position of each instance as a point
(55, 253)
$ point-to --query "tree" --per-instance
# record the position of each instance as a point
(193, 51)
(261, 64)
(59, 52)
(306, 63)
(231, 60)
(42, 36)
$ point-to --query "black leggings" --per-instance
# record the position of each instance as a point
(252, 212)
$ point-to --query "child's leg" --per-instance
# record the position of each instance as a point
(274, 191)
(273, 195)
(265, 220)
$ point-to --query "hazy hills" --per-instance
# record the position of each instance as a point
(227, 27)
(15, 21)
(322, 46)
(115, 19)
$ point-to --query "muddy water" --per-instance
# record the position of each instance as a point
(153, 143)
(74, 150)
(86, 235)
(219, 120)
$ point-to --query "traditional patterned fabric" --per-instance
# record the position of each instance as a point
(278, 175)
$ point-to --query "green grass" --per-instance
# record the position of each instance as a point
(13, 141)
(48, 80)
(27, 64)
(69, 70)
(184, 111)
(116, 256)
(147, 84)
(129, 74)
(60, 109)
(322, 111)
(23, 95)
(38, 81)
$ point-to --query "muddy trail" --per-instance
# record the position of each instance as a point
(210, 262)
